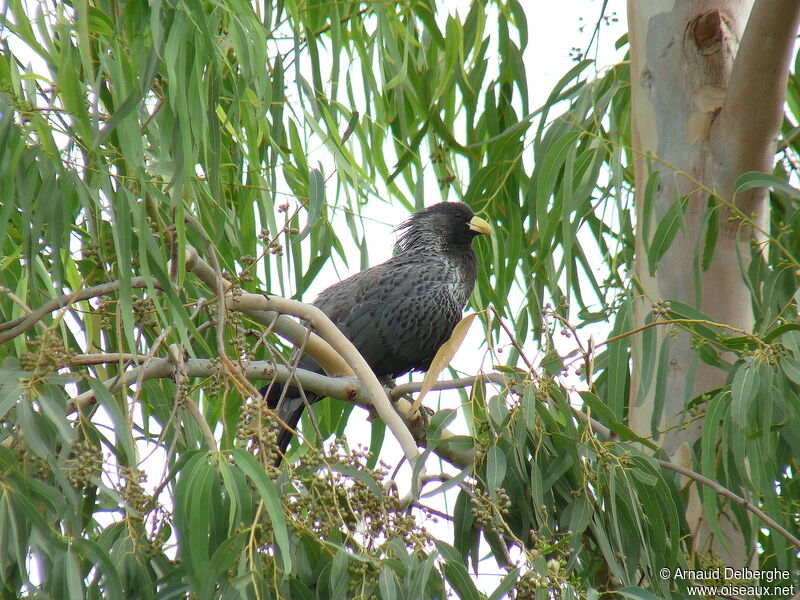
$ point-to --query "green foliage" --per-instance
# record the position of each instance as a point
(252, 133)
(576, 500)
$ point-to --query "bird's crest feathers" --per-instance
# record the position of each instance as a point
(432, 228)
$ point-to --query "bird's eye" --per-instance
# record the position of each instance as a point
(459, 215)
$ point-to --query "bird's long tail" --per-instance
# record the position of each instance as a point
(288, 410)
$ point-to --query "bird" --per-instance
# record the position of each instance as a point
(398, 313)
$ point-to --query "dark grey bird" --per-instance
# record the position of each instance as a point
(399, 313)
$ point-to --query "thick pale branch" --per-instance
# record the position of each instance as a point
(285, 326)
(336, 358)
(328, 331)
(348, 389)
(183, 369)
(344, 388)
(752, 114)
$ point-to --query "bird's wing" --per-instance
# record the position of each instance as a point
(396, 314)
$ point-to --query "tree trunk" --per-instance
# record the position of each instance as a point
(708, 85)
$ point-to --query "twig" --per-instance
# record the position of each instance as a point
(680, 322)
(433, 511)
(15, 299)
(514, 342)
(17, 326)
(723, 491)
(407, 388)
(587, 355)
(86, 360)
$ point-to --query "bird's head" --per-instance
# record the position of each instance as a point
(441, 226)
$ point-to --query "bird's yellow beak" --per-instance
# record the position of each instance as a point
(478, 225)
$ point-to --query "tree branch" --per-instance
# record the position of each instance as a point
(401, 390)
(347, 389)
(317, 347)
(320, 322)
(343, 388)
(286, 327)
(751, 117)
(221, 287)
(335, 358)
(723, 491)
(604, 432)
(18, 326)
